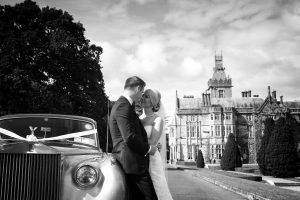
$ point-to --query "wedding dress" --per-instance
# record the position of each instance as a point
(157, 173)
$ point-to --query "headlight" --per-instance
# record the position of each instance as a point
(85, 176)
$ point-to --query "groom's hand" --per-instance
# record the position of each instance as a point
(152, 150)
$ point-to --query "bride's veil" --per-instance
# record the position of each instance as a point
(163, 151)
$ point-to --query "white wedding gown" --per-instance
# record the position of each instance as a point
(157, 173)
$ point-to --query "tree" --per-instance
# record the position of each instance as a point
(231, 157)
(283, 159)
(47, 65)
(262, 156)
(200, 160)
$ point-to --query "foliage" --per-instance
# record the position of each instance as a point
(47, 65)
(200, 160)
(295, 128)
(281, 150)
(258, 123)
(242, 136)
(261, 154)
(231, 157)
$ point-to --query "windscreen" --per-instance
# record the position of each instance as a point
(44, 127)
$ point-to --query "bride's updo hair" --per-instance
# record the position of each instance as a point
(155, 97)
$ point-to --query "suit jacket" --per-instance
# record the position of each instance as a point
(130, 143)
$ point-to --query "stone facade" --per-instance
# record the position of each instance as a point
(204, 123)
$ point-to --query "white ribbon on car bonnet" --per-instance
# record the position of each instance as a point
(70, 135)
(11, 134)
(61, 137)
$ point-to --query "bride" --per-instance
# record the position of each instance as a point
(153, 123)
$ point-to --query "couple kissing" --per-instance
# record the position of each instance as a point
(135, 141)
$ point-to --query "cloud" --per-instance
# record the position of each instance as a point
(171, 44)
(258, 41)
(190, 68)
(143, 1)
(148, 58)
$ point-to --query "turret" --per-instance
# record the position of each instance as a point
(220, 85)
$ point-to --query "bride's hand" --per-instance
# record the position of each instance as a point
(159, 146)
(152, 149)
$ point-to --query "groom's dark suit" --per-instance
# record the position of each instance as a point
(130, 146)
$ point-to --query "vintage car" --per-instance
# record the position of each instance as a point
(56, 157)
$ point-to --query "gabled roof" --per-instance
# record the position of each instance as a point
(272, 105)
(195, 105)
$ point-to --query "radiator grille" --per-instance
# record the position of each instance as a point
(30, 176)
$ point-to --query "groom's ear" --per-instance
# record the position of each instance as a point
(140, 88)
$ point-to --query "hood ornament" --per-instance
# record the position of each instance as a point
(31, 137)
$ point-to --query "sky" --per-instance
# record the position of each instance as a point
(171, 44)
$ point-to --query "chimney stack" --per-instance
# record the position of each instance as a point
(243, 94)
(281, 100)
(209, 103)
(274, 94)
(269, 91)
(203, 99)
(249, 93)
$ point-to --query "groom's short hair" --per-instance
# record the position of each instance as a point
(133, 82)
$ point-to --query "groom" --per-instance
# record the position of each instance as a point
(130, 143)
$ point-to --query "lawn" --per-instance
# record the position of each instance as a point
(245, 186)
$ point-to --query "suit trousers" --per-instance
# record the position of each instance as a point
(141, 187)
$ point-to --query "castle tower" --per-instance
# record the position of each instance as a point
(220, 85)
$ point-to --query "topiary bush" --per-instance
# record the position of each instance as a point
(261, 154)
(282, 152)
(231, 157)
(200, 161)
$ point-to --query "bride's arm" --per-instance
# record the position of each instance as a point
(156, 131)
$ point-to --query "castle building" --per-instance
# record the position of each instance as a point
(205, 123)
